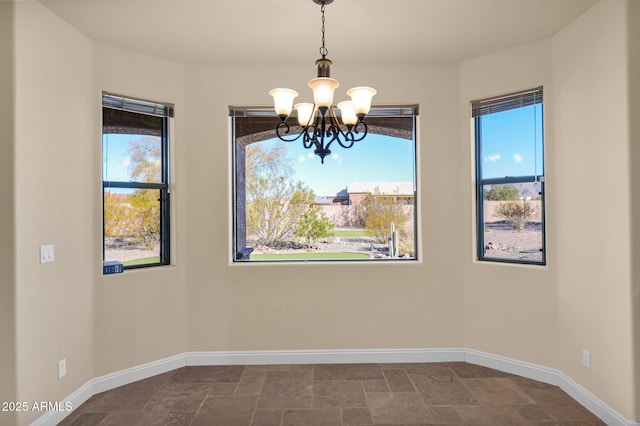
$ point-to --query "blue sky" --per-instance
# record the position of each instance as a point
(115, 156)
(115, 161)
(512, 143)
(375, 159)
(511, 147)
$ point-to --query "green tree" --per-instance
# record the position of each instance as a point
(145, 217)
(262, 160)
(133, 216)
(145, 155)
(313, 224)
(503, 192)
(136, 216)
(116, 215)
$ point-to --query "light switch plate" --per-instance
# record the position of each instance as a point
(47, 253)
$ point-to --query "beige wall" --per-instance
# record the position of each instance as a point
(543, 315)
(581, 299)
(140, 316)
(7, 258)
(508, 309)
(591, 126)
(53, 193)
(633, 47)
(321, 306)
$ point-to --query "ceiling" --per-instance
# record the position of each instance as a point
(288, 31)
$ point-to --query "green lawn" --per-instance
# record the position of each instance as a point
(350, 233)
(309, 256)
(142, 261)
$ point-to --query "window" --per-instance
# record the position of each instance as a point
(359, 205)
(510, 177)
(135, 181)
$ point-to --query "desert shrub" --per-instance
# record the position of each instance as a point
(274, 206)
(351, 216)
(274, 200)
(406, 243)
(515, 212)
(379, 212)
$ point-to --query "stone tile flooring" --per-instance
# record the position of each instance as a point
(328, 395)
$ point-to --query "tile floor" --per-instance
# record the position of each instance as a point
(328, 395)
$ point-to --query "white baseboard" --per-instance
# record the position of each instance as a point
(552, 377)
(111, 381)
(531, 371)
(591, 403)
(326, 356)
(508, 365)
(130, 375)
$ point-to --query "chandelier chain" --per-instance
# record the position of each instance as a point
(323, 49)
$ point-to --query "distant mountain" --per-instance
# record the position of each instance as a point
(529, 189)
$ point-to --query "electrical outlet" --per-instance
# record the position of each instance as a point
(586, 358)
(62, 368)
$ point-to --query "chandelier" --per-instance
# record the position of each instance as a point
(320, 125)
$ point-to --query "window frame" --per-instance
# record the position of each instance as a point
(480, 108)
(165, 111)
(238, 234)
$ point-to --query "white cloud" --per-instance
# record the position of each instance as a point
(126, 161)
(518, 158)
(493, 158)
(335, 157)
(310, 155)
(301, 159)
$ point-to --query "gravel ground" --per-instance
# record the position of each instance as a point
(121, 250)
(123, 255)
(500, 242)
(504, 242)
(365, 245)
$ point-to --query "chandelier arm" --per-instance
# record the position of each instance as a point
(282, 130)
(333, 132)
(348, 140)
(334, 118)
(312, 122)
(309, 139)
(354, 131)
(310, 130)
(348, 136)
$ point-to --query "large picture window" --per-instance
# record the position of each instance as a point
(359, 205)
(510, 177)
(135, 181)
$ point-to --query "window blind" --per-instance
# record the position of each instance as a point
(506, 102)
(110, 100)
(376, 111)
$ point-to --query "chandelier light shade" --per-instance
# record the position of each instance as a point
(320, 124)
(361, 98)
(283, 100)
